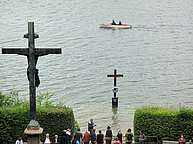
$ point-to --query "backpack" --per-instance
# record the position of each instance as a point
(108, 133)
(129, 137)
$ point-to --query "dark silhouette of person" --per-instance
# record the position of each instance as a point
(100, 138)
(113, 23)
(120, 23)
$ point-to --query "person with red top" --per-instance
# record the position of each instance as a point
(86, 138)
(116, 141)
(182, 140)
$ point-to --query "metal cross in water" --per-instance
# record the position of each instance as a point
(115, 78)
(32, 54)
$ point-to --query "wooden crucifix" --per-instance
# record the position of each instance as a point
(32, 54)
(115, 99)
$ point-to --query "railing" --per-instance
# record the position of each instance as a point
(153, 142)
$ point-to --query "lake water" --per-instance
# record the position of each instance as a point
(155, 56)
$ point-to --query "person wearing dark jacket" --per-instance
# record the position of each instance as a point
(113, 23)
(100, 138)
(93, 136)
(65, 138)
(78, 136)
(56, 140)
(120, 23)
(108, 135)
(119, 136)
(91, 125)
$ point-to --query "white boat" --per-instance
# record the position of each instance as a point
(109, 25)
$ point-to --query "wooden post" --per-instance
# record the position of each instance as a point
(115, 99)
(32, 68)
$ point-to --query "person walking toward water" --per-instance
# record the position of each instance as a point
(129, 136)
(86, 138)
(100, 138)
(108, 135)
(142, 138)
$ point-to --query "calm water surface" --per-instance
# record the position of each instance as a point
(155, 56)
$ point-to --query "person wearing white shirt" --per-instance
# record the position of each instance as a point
(47, 139)
(19, 141)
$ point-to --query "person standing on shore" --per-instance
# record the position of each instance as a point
(129, 136)
(100, 138)
(108, 135)
(47, 139)
(78, 136)
(182, 140)
(91, 125)
(142, 138)
(56, 140)
(119, 136)
(86, 138)
(19, 141)
(93, 136)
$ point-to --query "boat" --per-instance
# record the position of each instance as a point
(109, 25)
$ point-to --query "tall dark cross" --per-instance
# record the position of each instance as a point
(115, 78)
(32, 54)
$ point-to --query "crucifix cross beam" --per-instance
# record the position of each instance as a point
(115, 75)
(32, 54)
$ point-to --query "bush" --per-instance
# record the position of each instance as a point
(53, 120)
(165, 123)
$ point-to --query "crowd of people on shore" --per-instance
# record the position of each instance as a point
(90, 136)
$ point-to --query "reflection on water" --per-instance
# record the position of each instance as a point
(115, 120)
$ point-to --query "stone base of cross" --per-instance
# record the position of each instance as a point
(33, 132)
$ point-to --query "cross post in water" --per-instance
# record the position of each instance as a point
(115, 78)
(115, 99)
(32, 54)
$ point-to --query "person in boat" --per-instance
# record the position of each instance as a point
(120, 23)
(113, 23)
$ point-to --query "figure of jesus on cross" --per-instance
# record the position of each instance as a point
(32, 54)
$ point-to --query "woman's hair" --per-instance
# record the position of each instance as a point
(129, 130)
(20, 138)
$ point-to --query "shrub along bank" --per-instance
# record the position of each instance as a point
(53, 120)
(15, 116)
(167, 124)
